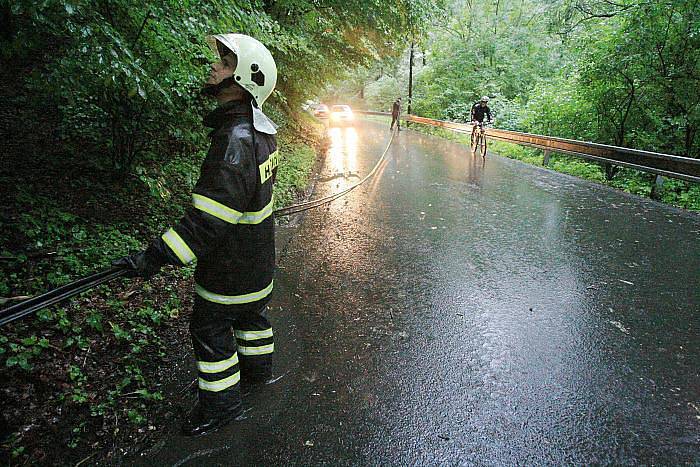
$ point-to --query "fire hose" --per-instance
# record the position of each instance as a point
(54, 296)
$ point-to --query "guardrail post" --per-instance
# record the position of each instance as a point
(545, 160)
(657, 188)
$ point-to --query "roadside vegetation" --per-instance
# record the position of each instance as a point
(625, 73)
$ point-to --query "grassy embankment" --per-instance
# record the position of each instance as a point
(90, 376)
(675, 192)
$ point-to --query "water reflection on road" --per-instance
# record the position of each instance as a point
(342, 153)
(461, 311)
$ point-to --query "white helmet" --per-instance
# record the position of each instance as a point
(255, 72)
(485, 99)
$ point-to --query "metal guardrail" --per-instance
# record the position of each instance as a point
(684, 168)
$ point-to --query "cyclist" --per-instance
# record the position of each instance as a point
(479, 110)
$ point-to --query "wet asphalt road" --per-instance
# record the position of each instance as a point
(459, 312)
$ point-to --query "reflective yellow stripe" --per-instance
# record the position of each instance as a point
(254, 335)
(179, 247)
(257, 217)
(268, 166)
(233, 299)
(220, 385)
(215, 367)
(215, 208)
(227, 214)
(262, 350)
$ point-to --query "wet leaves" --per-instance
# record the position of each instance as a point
(620, 326)
(92, 386)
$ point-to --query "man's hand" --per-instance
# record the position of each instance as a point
(142, 264)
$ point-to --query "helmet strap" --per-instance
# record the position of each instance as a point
(214, 90)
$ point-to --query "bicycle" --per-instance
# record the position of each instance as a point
(478, 139)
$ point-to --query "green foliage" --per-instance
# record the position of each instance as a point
(499, 49)
(557, 108)
(624, 73)
(380, 94)
(640, 69)
(21, 354)
(122, 73)
(125, 74)
(94, 320)
(293, 172)
(119, 333)
(81, 246)
(631, 78)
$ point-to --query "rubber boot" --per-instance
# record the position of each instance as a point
(201, 421)
(257, 383)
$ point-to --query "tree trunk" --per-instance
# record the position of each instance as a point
(6, 24)
(689, 138)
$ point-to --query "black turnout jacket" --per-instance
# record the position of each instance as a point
(229, 229)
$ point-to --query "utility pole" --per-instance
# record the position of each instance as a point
(410, 78)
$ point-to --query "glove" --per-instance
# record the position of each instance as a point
(142, 264)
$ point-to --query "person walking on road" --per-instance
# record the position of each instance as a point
(229, 231)
(396, 114)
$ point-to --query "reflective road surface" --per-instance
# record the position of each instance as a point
(454, 311)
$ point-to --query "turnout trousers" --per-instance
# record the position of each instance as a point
(231, 343)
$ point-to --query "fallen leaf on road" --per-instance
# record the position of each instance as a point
(696, 409)
(619, 326)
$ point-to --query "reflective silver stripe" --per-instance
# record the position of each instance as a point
(179, 247)
(254, 335)
(263, 349)
(215, 367)
(233, 299)
(257, 217)
(220, 385)
(215, 208)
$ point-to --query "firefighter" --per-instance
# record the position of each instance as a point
(229, 231)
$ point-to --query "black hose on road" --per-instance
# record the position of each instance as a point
(327, 199)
